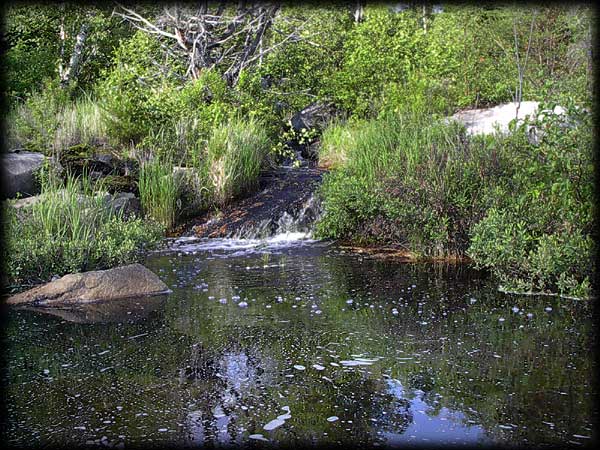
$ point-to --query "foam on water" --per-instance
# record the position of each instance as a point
(242, 246)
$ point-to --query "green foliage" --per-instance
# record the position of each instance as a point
(349, 202)
(35, 48)
(417, 95)
(69, 230)
(34, 124)
(233, 159)
(135, 97)
(195, 110)
(405, 180)
(31, 34)
(158, 192)
(536, 236)
(49, 122)
(383, 49)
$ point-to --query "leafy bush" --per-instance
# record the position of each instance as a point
(69, 230)
(536, 235)
(135, 96)
(195, 110)
(382, 49)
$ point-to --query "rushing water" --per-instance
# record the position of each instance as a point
(294, 341)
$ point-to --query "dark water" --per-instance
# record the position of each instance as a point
(331, 348)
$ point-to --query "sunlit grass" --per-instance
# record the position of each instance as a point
(234, 157)
(80, 122)
(158, 191)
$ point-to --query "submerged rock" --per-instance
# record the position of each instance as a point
(129, 281)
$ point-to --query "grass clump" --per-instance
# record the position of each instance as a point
(69, 229)
(49, 122)
(158, 191)
(234, 156)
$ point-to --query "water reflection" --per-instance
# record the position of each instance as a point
(331, 348)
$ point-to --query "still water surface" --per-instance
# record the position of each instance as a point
(272, 343)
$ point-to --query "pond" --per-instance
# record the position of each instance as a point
(299, 342)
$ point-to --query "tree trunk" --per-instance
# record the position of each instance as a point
(358, 11)
(71, 73)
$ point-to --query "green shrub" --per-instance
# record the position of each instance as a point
(348, 202)
(384, 48)
(195, 110)
(536, 235)
(69, 230)
(407, 181)
(34, 123)
(137, 98)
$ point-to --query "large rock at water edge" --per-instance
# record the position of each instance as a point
(19, 173)
(122, 282)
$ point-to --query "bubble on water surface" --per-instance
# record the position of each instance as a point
(257, 437)
(274, 424)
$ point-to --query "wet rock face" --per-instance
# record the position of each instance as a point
(285, 196)
(19, 170)
(129, 281)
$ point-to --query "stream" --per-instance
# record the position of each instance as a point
(288, 340)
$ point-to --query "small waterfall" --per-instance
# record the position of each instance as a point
(293, 225)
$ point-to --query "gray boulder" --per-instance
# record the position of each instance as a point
(125, 203)
(19, 173)
(315, 115)
(123, 282)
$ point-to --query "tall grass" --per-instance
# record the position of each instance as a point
(81, 122)
(49, 122)
(234, 156)
(336, 141)
(390, 144)
(158, 191)
(182, 139)
(407, 180)
(70, 212)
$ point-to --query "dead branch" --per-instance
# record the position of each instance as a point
(207, 36)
